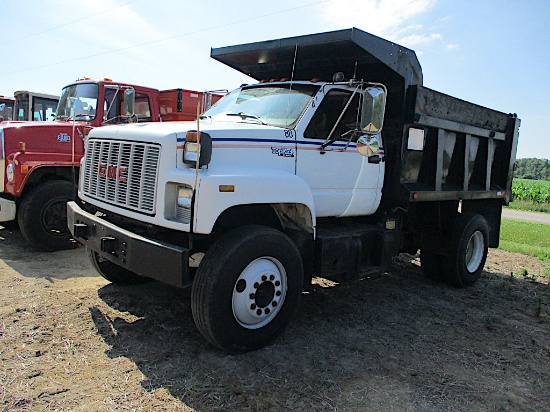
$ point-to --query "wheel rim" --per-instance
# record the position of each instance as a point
(54, 218)
(259, 293)
(474, 251)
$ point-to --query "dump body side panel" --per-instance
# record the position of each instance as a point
(468, 150)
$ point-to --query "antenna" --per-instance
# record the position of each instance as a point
(355, 71)
(291, 78)
(73, 167)
(293, 64)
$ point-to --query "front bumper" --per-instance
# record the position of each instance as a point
(146, 257)
(7, 210)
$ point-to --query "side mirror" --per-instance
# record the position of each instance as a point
(368, 145)
(129, 102)
(374, 107)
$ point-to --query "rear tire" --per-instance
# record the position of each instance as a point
(469, 247)
(114, 273)
(247, 288)
(42, 216)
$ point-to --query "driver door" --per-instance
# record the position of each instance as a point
(342, 181)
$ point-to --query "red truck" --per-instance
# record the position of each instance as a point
(39, 161)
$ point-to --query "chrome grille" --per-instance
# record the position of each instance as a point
(122, 173)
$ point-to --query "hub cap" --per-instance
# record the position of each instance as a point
(259, 292)
(474, 251)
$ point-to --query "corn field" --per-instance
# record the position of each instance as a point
(534, 191)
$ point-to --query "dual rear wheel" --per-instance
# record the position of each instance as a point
(466, 254)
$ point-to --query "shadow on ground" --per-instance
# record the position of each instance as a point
(25, 259)
(399, 342)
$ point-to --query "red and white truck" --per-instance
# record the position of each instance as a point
(39, 161)
(334, 162)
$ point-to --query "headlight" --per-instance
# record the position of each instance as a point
(185, 195)
(10, 172)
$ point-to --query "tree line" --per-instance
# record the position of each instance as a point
(532, 168)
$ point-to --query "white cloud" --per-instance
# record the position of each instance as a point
(380, 17)
(390, 19)
(416, 39)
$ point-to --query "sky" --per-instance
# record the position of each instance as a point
(489, 52)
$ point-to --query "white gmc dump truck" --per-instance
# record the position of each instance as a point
(335, 161)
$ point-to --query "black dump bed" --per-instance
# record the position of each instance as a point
(469, 150)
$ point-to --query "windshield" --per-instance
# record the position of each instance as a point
(78, 100)
(278, 105)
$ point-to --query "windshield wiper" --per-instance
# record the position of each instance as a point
(69, 118)
(245, 116)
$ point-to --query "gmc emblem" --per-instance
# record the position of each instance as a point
(119, 173)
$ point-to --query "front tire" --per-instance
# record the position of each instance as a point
(114, 273)
(247, 288)
(42, 216)
(469, 248)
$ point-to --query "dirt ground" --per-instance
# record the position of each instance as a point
(70, 341)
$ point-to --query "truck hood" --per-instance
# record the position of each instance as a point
(159, 132)
(39, 137)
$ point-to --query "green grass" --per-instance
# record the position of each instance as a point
(524, 237)
(530, 206)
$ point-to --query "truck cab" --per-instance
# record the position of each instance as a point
(31, 106)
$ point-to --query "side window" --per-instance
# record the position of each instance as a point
(44, 109)
(328, 113)
(142, 108)
(110, 106)
(113, 106)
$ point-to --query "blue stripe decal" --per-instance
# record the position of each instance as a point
(243, 139)
(288, 141)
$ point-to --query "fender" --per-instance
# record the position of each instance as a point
(271, 188)
(33, 162)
